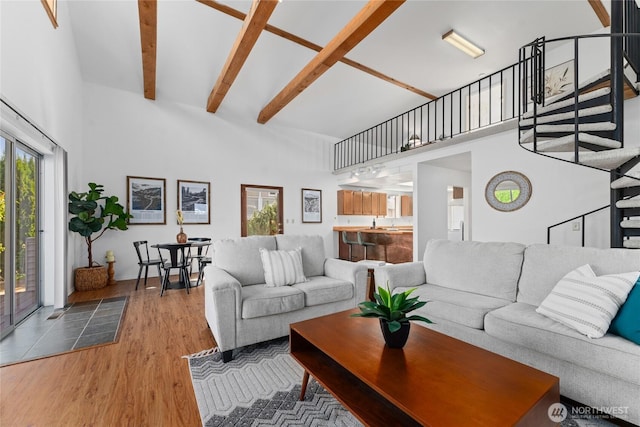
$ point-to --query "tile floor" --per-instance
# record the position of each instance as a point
(49, 331)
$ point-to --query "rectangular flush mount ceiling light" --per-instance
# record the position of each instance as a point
(463, 44)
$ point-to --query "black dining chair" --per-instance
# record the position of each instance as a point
(198, 253)
(142, 250)
(177, 260)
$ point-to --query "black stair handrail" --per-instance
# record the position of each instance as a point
(582, 217)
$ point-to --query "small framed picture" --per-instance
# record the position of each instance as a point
(311, 205)
(146, 200)
(194, 200)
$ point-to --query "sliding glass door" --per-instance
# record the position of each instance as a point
(19, 244)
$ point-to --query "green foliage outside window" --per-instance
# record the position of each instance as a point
(264, 222)
(507, 196)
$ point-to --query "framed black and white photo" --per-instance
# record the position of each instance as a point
(194, 201)
(311, 205)
(146, 200)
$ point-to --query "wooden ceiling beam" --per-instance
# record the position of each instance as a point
(374, 13)
(148, 15)
(601, 12)
(310, 45)
(254, 23)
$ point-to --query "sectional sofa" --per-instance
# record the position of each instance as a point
(241, 310)
(487, 294)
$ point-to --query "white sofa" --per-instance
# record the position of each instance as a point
(241, 310)
(487, 293)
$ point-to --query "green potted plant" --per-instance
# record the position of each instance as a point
(392, 311)
(94, 214)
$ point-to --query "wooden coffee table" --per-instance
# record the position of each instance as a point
(435, 380)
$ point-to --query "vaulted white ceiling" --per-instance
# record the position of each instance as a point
(194, 40)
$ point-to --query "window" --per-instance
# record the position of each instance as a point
(261, 210)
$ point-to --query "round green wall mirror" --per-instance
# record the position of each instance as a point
(508, 191)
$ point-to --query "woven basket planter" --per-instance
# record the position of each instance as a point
(90, 278)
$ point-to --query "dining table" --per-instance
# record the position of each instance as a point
(179, 259)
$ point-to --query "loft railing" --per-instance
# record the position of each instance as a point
(582, 223)
(488, 101)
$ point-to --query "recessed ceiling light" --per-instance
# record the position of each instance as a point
(463, 44)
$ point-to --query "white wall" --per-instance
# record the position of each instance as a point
(127, 135)
(40, 76)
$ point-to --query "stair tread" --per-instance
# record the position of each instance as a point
(565, 143)
(631, 243)
(625, 182)
(628, 203)
(630, 223)
(599, 126)
(583, 112)
(552, 106)
(609, 159)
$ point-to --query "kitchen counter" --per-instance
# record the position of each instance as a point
(393, 245)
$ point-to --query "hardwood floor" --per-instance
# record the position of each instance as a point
(141, 380)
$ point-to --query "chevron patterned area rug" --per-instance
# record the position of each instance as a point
(261, 387)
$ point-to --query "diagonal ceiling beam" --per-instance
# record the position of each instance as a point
(601, 11)
(367, 20)
(148, 15)
(310, 45)
(253, 25)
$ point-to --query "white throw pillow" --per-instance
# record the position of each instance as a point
(282, 267)
(586, 302)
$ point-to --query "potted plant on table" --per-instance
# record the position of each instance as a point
(94, 214)
(392, 311)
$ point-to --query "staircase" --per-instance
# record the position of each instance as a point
(583, 126)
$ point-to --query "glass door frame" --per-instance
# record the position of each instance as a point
(12, 145)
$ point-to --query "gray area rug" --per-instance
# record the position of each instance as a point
(261, 387)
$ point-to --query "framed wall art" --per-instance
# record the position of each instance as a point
(311, 205)
(146, 200)
(194, 200)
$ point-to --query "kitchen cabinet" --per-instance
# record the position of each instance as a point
(406, 205)
(345, 202)
(357, 202)
(362, 203)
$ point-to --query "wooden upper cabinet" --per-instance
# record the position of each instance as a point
(357, 202)
(367, 207)
(375, 204)
(406, 205)
(345, 202)
(382, 205)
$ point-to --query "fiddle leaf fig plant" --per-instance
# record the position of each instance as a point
(392, 308)
(95, 213)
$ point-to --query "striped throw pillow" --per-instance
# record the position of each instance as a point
(282, 267)
(586, 302)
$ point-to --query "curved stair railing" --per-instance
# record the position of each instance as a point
(574, 113)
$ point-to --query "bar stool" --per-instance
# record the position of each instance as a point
(364, 244)
(346, 241)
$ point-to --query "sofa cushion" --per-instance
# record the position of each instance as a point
(587, 303)
(322, 289)
(461, 307)
(259, 300)
(544, 265)
(312, 251)
(518, 323)
(487, 268)
(282, 267)
(241, 257)
(627, 322)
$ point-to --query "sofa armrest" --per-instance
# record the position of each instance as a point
(405, 274)
(222, 305)
(349, 272)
